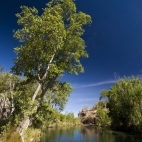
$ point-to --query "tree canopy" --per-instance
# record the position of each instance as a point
(50, 44)
(125, 104)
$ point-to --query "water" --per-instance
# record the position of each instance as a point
(86, 134)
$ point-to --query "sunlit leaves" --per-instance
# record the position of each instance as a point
(57, 31)
(51, 43)
(58, 95)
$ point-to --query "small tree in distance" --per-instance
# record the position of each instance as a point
(85, 108)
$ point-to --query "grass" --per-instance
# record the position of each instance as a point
(10, 136)
(32, 134)
(60, 124)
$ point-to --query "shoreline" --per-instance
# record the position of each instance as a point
(62, 124)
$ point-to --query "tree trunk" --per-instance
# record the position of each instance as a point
(23, 125)
(43, 78)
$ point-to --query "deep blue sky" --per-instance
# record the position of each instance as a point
(114, 44)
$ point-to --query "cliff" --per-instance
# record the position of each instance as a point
(97, 115)
(88, 116)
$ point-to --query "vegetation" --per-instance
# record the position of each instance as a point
(121, 109)
(66, 119)
(14, 102)
(125, 104)
(97, 115)
(51, 44)
(102, 119)
(32, 93)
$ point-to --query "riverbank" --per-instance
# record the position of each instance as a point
(30, 135)
(33, 135)
(61, 124)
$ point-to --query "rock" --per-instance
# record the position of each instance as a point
(87, 116)
(5, 107)
(91, 116)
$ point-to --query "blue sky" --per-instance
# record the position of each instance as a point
(114, 44)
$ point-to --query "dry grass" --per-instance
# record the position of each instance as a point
(32, 135)
(10, 137)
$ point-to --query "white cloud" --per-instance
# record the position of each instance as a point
(94, 84)
(85, 99)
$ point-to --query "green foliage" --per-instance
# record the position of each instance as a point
(32, 134)
(56, 35)
(70, 117)
(54, 99)
(9, 134)
(7, 82)
(43, 116)
(22, 98)
(102, 118)
(51, 43)
(124, 104)
(58, 96)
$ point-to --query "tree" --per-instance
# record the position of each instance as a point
(70, 117)
(125, 104)
(1, 68)
(102, 119)
(85, 108)
(7, 85)
(58, 96)
(51, 44)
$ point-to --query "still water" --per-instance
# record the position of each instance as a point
(86, 134)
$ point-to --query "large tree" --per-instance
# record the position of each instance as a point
(125, 104)
(51, 43)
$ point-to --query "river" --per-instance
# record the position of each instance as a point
(86, 134)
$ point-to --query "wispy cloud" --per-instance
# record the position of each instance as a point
(94, 84)
(87, 99)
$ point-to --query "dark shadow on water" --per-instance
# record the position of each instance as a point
(86, 134)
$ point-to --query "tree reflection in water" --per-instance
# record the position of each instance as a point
(86, 134)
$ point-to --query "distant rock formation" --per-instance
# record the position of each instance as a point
(92, 115)
(87, 116)
(4, 107)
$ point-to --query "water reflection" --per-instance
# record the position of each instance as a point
(86, 134)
